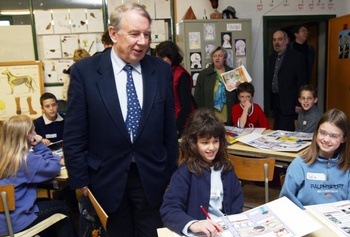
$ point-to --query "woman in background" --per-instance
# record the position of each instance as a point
(210, 91)
(184, 101)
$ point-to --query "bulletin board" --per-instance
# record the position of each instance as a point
(16, 43)
(21, 85)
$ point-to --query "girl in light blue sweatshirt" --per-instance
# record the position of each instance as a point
(322, 173)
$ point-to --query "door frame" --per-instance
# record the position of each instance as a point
(321, 49)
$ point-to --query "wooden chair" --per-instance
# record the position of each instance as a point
(8, 204)
(250, 170)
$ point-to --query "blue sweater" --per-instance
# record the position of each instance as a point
(52, 131)
(42, 166)
(187, 192)
(318, 183)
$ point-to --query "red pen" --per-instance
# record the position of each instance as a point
(207, 215)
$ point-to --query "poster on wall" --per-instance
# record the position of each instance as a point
(69, 43)
(95, 20)
(88, 42)
(240, 46)
(226, 40)
(61, 21)
(52, 46)
(78, 21)
(43, 22)
(196, 60)
(21, 94)
(343, 44)
(195, 40)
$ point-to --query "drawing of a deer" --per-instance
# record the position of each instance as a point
(18, 80)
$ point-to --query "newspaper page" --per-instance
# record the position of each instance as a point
(280, 217)
(335, 215)
(274, 142)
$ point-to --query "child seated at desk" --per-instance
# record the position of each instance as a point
(50, 124)
(322, 173)
(205, 178)
(309, 114)
(25, 169)
(246, 113)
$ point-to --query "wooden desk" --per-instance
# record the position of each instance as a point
(323, 232)
(63, 177)
(242, 149)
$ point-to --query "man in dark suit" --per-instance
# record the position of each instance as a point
(126, 171)
(287, 73)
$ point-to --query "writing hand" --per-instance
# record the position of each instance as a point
(208, 227)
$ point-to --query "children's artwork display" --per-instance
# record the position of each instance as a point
(202, 37)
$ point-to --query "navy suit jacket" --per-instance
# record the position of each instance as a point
(97, 147)
(291, 76)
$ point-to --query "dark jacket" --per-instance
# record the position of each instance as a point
(97, 146)
(291, 76)
(204, 91)
(187, 192)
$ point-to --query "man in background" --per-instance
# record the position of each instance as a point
(287, 73)
(301, 34)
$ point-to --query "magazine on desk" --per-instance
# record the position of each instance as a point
(335, 216)
(280, 217)
(230, 78)
(232, 133)
(277, 141)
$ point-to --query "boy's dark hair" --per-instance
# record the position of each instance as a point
(46, 96)
(170, 50)
(297, 28)
(106, 39)
(308, 87)
(245, 87)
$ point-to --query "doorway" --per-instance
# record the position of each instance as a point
(318, 26)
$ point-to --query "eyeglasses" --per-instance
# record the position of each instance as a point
(306, 99)
(332, 136)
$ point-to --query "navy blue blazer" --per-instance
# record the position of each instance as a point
(97, 147)
(187, 192)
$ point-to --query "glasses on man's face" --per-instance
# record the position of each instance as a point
(332, 136)
(306, 98)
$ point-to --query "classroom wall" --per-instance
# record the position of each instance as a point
(249, 9)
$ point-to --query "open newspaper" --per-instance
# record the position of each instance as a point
(278, 141)
(280, 217)
(336, 216)
(231, 78)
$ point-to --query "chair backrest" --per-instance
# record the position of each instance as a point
(10, 197)
(252, 169)
(8, 204)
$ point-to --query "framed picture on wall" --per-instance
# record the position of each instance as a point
(21, 88)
